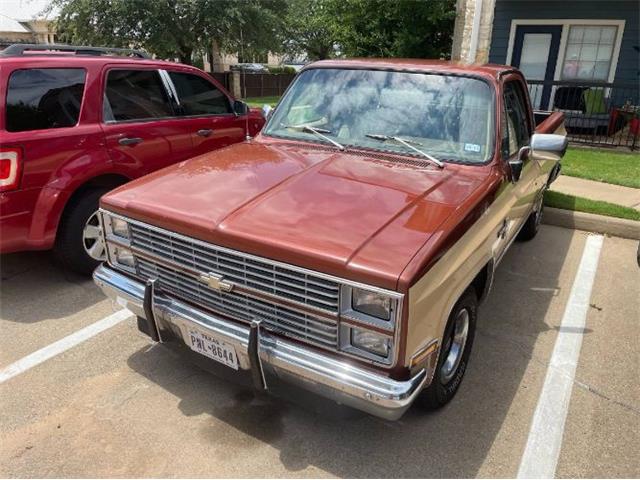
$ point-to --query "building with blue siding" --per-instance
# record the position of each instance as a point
(579, 56)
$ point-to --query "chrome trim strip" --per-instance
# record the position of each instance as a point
(325, 375)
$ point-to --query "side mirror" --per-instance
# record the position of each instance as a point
(517, 164)
(240, 108)
(266, 111)
(546, 146)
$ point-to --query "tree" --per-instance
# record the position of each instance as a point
(309, 29)
(169, 28)
(402, 28)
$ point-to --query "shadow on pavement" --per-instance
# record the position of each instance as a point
(34, 288)
(452, 442)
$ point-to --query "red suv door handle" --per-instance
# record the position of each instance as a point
(130, 141)
(205, 132)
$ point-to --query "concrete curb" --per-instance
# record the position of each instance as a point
(617, 227)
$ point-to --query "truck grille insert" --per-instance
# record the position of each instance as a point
(278, 281)
(287, 283)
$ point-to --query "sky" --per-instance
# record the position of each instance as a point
(22, 9)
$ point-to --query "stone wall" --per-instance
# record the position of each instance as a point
(462, 34)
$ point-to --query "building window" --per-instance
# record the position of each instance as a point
(589, 52)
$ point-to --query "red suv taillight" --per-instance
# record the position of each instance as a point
(10, 168)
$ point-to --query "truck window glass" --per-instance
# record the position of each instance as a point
(41, 98)
(450, 117)
(198, 96)
(517, 131)
(135, 95)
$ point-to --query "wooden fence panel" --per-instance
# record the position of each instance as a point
(264, 84)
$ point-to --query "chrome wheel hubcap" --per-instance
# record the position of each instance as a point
(454, 346)
(92, 238)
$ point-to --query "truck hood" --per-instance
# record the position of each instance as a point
(351, 214)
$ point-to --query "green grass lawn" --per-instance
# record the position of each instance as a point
(569, 202)
(603, 166)
(260, 101)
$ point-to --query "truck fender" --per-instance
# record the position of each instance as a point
(487, 267)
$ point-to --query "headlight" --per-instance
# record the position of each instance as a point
(124, 257)
(371, 303)
(371, 342)
(119, 227)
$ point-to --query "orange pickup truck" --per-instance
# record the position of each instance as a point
(346, 248)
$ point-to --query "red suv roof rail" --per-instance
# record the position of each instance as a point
(19, 49)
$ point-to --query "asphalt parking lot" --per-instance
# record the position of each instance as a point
(115, 405)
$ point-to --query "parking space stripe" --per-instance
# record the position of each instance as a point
(541, 453)
(62, 345)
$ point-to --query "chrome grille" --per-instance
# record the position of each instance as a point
(317, 330)
(284, 282)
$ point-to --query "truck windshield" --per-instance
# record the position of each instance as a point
(448, 117)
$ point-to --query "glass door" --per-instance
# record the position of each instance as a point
(535, 53)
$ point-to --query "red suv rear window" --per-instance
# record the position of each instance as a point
(42, 98)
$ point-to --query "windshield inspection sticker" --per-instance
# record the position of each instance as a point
(471, 147)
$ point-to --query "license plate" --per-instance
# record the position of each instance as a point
(212, 347)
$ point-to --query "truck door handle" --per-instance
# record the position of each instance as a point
(205, 132)
(502, 232)
(130, 141)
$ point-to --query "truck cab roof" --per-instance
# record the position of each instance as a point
(418, 65)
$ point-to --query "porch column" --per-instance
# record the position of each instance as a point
(472, 33)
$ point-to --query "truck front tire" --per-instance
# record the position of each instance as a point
(454, 354)
(532, 224)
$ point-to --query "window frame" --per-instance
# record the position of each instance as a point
(522, 92)
(168, 92)
(176, 96)
(82, 100)
(566, 49)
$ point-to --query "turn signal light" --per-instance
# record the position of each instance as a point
(10, 168)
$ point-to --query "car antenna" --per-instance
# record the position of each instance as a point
(247, 137)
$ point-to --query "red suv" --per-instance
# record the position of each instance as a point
(76, 122)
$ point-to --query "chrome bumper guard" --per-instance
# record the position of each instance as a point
(324, 375)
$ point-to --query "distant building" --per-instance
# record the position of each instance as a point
(219, 61)
(25, 31)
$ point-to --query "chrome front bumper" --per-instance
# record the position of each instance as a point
(324, 375)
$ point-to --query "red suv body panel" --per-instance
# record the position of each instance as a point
(57, 162)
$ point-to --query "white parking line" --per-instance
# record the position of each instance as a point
(62, 345)
(541, 453)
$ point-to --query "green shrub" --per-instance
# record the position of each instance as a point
(281, 69)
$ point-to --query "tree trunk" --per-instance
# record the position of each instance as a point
(185, 55)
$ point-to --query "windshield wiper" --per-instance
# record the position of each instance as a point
(406, 143)
(316, 131)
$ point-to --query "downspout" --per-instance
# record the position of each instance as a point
(475, 32)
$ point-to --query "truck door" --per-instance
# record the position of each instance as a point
(517, 128)
(139, 121)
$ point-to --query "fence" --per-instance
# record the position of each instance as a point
(255, 84)
(264, 84)
(224, 78)
(595, 113)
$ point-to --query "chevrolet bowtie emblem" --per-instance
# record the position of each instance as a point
(215, 281)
